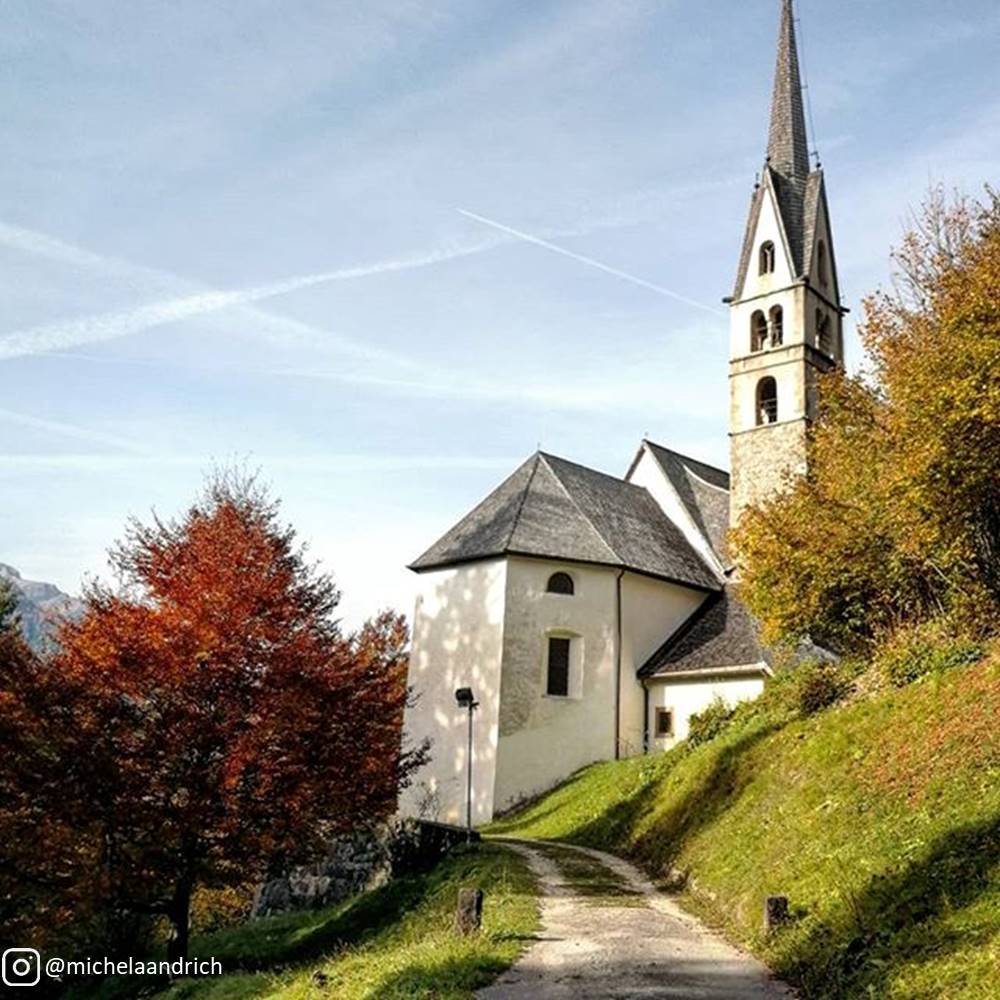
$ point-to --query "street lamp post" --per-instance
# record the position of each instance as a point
(466, 699)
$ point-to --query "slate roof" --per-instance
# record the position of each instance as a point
(721, 634)
(704, 491)
(798, 192)
(746, 250)
(555, 509)
(787, 145)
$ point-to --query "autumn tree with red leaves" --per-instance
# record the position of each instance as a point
(204, 721)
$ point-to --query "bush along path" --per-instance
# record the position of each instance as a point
(608, 932)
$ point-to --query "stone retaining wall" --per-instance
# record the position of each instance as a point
(359, 862)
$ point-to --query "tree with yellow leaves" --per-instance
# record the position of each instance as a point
(898, 518)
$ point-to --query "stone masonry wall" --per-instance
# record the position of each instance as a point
(358, 862)
(762, 460)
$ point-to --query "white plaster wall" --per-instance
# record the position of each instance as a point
(647, 473)
(457, 642)
(688, 697)
(544, 739)
(652, 610)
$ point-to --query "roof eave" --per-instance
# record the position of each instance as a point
(507, 553)
(702, 672)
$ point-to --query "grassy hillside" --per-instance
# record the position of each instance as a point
(395, 942)
(880, 819)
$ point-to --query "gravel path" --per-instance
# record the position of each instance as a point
(608, 932)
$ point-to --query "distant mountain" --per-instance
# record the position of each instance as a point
(40, 605)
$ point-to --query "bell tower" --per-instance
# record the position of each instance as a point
(786, 319)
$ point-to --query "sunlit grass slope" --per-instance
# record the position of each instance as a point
(879, 819)
(397, 941)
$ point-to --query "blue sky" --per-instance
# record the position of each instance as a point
(234, 230)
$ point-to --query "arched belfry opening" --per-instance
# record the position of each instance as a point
(790, 316)
(777, 326)
(758, 331)
(766, 259)
(767, 401)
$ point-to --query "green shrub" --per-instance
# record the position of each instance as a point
(926, 648)
(817, 686)
(708, 723)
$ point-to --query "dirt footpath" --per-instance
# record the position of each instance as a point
(608, 932)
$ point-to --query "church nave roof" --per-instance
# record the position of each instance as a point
(552, 508)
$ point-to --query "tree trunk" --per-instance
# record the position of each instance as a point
(180, 907)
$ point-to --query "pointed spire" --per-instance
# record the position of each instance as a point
(787, 147)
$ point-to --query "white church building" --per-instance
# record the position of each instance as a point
(592, 615)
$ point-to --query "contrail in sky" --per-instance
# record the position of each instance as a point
(590, 262)
(122, 323)
(160, 285)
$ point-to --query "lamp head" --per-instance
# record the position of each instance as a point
(465, 697)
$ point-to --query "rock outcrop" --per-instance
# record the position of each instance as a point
(40, 606)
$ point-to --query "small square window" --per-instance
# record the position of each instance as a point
(664, 722)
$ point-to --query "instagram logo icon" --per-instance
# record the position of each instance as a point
(21, 967)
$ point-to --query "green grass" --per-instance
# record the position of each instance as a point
(397, 941)
(880, 820)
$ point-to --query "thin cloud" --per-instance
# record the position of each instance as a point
(610, 395)
(342, 464)
(71, 430)
(590, 262)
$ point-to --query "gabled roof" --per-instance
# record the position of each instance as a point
(555, 509)
(704, 491)
(746, 250)
(798, 203)
(720, 635)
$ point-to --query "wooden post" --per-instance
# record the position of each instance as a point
(775, 912)
(469, 914)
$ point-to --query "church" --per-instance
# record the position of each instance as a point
(590, 615)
